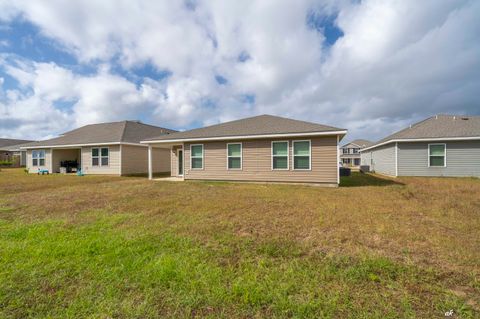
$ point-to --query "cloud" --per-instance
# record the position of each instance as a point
(395, 63)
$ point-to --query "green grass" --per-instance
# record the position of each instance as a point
(129, 248)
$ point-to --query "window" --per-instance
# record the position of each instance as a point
(345, 150)
(196, 156)
(234, 155)
(436, 155)
(38, 158)
(100, 156)
(301, 155)
(280, 155)
(355, 151)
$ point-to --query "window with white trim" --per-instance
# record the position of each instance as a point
(280, 155)
(301, 155)
(234, 155)
(196, 156)
(436, 155)
(100, 156)
(38, 158)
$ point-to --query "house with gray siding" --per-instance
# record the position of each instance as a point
(442, 145)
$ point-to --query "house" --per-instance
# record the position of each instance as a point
(262, 148)
(106, 148)
(350, 153)
(442, 145)
(10, 151)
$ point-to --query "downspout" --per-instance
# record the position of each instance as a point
(338, 160)
(150, 173)
(121, 155)
(396, 159)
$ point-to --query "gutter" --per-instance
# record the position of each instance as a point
(244, 137)
(80, 145)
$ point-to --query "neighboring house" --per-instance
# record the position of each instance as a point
(442, 145)
(106, 148)
(10, 151)
(261, 148)
(350, 153)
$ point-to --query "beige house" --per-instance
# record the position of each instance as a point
(350, 153)
(10, 151)
(106, 148)
(261, 148)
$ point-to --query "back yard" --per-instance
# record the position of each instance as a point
(110, 247)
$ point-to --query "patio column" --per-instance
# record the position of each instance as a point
(150, 172)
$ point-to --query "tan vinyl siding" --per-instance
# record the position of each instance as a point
(135, 160)
(113, 167)
(257, 162)
(48, 161)
(60, 155)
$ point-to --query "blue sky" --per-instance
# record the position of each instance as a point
(363, 65)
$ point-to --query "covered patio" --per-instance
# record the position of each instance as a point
(66, 160)
(176, 159)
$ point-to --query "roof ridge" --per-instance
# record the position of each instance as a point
(124, 130)
(260, 115)
(151, 125)
(409, 127)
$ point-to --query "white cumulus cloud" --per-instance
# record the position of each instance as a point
(397, 62)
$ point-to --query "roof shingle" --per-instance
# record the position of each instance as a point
(257, 125)
(438, 126)
(6, 143)
(360, 142)
(115, 132)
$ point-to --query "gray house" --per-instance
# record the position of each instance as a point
(350, 153)
(442, 145)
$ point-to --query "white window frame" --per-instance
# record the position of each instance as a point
(309, 155)
(241, 157)
(203, 157)
(272, 156)
(444, 154)
(38, 158)
(100, 156)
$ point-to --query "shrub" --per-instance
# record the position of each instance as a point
(6, 163)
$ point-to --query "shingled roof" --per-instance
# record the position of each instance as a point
(253, 126)
(360, 142)
(437, 127)
(7, 143)
(115, 132)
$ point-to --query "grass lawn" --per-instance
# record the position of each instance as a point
(111, 247)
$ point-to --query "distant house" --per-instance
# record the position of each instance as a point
(442, 145)
(260, 148)
(10, 151)
(106, 148)
(350, 153)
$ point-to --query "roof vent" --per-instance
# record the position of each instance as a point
(465, 118)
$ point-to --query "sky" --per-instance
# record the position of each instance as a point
(371, 66)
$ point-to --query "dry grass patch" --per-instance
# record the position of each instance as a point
(375, 247)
